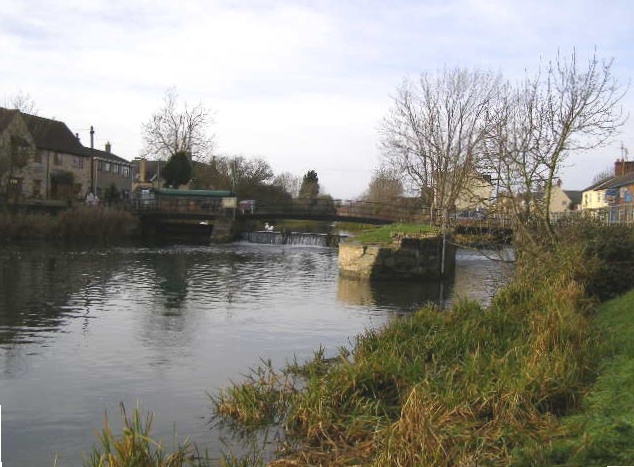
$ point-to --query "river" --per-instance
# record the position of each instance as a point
(83, 329)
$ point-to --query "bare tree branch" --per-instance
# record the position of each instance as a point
(173, 129)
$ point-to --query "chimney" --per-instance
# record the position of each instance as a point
(142, 170)
(108, 147)
(622, 167)
(92, 137)
(77, 136)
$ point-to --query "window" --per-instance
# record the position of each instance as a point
(15, 186)
(37, 188)
(125, 171)
(115, 168)
(106, 166)
(57, 158)
(78, 162)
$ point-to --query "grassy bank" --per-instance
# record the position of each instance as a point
(76, 224)
(384, 234)
(601, 431)
(470, 386)
(543, 376)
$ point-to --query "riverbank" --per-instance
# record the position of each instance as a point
(76, 224)
(472, 385)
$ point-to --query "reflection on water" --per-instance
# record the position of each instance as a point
(83, 329)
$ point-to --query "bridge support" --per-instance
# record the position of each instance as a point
(222, 231)
(411, 258)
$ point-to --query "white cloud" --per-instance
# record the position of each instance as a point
(302, 84)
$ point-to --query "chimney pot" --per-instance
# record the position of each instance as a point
(108, 147)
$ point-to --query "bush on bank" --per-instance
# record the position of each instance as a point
(78, 223)
(467, 386)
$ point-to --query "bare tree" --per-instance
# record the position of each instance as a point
(289, 183)
(384, 186)
(435, 131)
(178, 128)
(21, 101)
(567, 107)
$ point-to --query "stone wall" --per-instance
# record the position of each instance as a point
(409, 258)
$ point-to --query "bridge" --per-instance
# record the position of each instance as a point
(208, 209)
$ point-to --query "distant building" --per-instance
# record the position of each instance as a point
(564, 200)
(56, 165)
(110, 170)
(616, 189)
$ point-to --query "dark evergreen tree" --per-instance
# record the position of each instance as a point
(178, 170)
(310, 185)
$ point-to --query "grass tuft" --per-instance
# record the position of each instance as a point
(135, 447)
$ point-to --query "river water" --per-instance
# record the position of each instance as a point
(83, 329)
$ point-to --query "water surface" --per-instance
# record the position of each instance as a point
(84, 329)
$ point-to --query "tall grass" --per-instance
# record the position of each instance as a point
(135, 447)
(79, 223)
(470, 386)
(385, 233)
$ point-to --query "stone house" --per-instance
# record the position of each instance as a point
(110, 170)
(55, 165)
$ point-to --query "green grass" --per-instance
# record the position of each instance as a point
(469, 386)
(602, 431)
(384, 233)
(135, 447)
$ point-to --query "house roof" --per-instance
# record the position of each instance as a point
(98, 153)
(575, 196)
(600, 185)
(6, 116)
(616, 182)
(51, 134)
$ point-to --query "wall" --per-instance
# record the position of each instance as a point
(559, 201)
(408, 259)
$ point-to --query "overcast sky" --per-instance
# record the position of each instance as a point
(302, 84)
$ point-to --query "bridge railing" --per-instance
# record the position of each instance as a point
(341, 208)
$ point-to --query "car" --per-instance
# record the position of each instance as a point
(470, 214)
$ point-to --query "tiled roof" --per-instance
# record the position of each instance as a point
(616, 182)
(6, 115)
(106, 156)
(574, 196)
(600, 185)
(53, 135)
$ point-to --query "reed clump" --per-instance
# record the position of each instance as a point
(77, 224)
(469, 386)
(135, 447)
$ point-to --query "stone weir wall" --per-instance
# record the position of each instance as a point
(407, 258)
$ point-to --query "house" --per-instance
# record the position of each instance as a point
(42, 159)
(476, 193)
(564, 200)
(110, 172)
(620, 190)
(594, 197)
(610, 190)
(146, 174)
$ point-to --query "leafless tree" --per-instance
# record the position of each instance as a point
(385, 186)
(21, 101)
(174, 128)
(567, 107)
(435, 131)
(289, 183)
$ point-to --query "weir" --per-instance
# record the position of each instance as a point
(292, 238)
